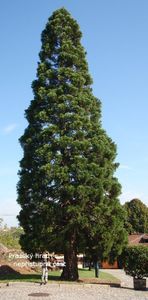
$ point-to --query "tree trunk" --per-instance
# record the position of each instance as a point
(70, 271)
(96, 269)
(90, 268)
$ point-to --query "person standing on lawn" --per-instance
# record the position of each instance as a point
(44, 268)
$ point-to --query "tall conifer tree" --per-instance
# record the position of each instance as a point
(67, 189)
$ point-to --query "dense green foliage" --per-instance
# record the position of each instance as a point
(10, 237)
(67, 189)
(137, 216)
(135, 261)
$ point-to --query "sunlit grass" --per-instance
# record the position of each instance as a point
(55, 276)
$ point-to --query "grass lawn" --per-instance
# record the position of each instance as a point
(55, 276)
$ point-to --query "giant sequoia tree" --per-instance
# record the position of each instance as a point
(67, 189)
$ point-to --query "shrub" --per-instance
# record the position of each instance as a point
(135, 261)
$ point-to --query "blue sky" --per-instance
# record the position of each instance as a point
(115, 38)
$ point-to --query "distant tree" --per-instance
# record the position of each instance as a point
(67, 189)
(1, 223)
(137, 216)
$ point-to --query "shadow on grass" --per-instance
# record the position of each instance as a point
(7, 273)
(26, 277)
